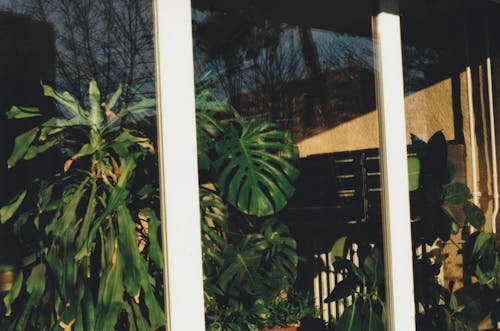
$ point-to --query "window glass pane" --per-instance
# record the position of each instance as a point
(263, 68)
(79, 232)
(449, 113)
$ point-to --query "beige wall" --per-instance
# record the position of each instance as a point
(427, 111)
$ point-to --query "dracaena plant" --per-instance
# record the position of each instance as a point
(246, 173)
(89, 231)
(440, 307)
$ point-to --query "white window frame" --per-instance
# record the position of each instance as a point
(181, 235)
(396, 227)
(179, 172)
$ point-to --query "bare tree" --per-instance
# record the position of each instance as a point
(109, 40)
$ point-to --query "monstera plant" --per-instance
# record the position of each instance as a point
(247, 176)
(92, 259)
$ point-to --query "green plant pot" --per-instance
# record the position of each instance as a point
(8, 275)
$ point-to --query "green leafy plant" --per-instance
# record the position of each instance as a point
(90, 232)
(246, 176)
(246, 274)
(441, 307)
(287, 310)
(364, 282)
(434, 195)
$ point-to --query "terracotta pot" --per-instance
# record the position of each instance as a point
(7, 279)
(290, 328)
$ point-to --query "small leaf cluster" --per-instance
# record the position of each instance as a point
(287, 310)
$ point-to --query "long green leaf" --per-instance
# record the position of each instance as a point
(69, 215)
(156, 314)
(455, 227)
(117, 196)
(141, 322)
(474, 215)
(89, 215)
(339, 248)
(126, 139)
(484, 251)
(21, 145)
(456, 193)
(371, 321)
(88, 312)
(96, 112)
(154, 250)
(111, 288)
(131, 319)
(141, 109)
(19, 112)
(413, 173)
(108, 317)
(373, 268)
(13, 294)
(128, 248)
(114, 98)
(74, 110)
(33, 151)
(350, 320)
(85, 150)
(7, 211)
(343, 289)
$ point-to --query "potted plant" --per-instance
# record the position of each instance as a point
(365, 282)
(286, 311)
(434, 195)
(89, 231)
(247, 175)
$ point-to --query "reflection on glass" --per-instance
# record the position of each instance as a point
(296, 75)
(309, 79)
(79, 226)
(445, 77)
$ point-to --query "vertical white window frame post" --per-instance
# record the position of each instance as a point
(395, 196)
(178, 162)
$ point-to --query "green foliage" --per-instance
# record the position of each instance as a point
(248, 157)
(413, 173)
(8, 210)
(256, 266)
(433, 197)
(251, 175)
(440, 308)
(283, 312)
(456, 193)
(247, 174)
(83, 268)
(364, 282)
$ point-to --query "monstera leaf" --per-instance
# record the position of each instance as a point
(241, 263)
(209, 112)
(260, 263)
(252, 175)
